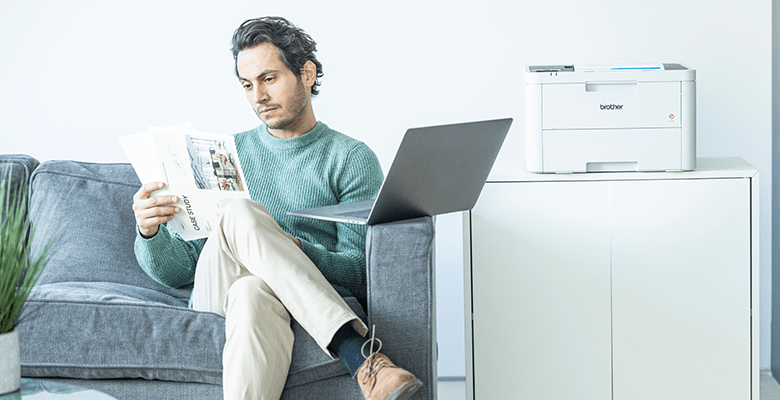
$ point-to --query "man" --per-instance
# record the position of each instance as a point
(260, 267)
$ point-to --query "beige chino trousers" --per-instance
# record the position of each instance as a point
(251, 272)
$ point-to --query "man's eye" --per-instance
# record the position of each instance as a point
(269, 79)
(246, 86)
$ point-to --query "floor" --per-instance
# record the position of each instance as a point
(770, 390)
(456, 389)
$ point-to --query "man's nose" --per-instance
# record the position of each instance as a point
(259, 95)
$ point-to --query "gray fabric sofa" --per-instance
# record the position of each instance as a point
(95, 319)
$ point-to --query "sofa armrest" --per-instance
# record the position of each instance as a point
(20, 167)
(401, 296)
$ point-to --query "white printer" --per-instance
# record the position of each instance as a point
(610, 118)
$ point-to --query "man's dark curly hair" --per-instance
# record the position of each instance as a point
(295, 46)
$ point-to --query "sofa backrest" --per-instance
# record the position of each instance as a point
(87, 207)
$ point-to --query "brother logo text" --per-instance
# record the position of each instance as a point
(611, 107)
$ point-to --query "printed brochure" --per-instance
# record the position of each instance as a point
(202, 169)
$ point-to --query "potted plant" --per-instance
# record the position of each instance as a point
(19, 270)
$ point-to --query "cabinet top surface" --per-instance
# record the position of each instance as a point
(706, 168)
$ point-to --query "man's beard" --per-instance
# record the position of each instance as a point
(297, 103)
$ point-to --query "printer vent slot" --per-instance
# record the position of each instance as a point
(674, 67)
(551, 68)
(611, 86)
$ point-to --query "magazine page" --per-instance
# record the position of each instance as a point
(201, 168)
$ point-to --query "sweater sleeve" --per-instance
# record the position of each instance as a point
(167, 258)
(359, 180)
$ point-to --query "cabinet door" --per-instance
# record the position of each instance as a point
(541, 291)
(681, 289)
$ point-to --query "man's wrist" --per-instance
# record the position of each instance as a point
(150, 236)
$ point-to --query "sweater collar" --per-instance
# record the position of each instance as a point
(304, 140)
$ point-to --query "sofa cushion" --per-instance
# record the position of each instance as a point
(88, 209)
(100, 330)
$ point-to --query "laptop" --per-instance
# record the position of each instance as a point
(437, 170)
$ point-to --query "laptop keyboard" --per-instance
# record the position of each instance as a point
(356, 214)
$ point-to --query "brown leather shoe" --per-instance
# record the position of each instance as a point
(380, 379)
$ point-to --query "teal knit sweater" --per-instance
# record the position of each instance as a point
(322, 167)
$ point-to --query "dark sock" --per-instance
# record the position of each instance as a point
(346, 344)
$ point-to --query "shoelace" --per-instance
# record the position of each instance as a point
(373, 363)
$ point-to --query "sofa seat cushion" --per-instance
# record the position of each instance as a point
(105, 330)
(100, 330)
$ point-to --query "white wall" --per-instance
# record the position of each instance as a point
(775, 222)
(75, 76)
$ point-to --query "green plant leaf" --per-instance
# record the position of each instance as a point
(19, 269)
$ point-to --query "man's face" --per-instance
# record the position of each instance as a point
(276, 94)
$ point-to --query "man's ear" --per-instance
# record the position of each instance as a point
(309, 73)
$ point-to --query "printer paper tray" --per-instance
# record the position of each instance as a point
(590, 150)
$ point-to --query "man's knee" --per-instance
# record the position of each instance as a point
(249, 299)
(246, 214)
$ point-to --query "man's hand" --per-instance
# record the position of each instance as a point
(151, 211)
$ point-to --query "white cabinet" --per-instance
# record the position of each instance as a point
(614, 286)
